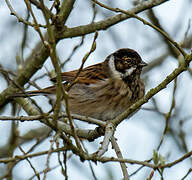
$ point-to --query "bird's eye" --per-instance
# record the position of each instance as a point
(124, 57)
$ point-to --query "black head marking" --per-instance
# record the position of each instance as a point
(127, 64)
(129, 53)
(127, 58)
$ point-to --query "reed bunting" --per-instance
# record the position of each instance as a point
(103, 90)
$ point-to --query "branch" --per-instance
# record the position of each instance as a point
(19, 158)
(185, 156)
(47, 120)
(119, 155)
(62, 115)
(109, 131)
(105, 24)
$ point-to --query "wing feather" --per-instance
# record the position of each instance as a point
(90, 74)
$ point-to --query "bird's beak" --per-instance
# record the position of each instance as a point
(143, 64)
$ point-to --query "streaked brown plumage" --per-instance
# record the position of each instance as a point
(106, 89)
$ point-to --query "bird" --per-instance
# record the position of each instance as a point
(103, 90)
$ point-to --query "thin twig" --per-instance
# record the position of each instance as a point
(109, 131)
(20, 19)
(35, 171)
(119, 155)
(75, 48)
(63, 169)
(61, 115)
(38, 6)
(189, 171)
(47, 169)
(168, 115)
(93, 47)
(36, 27)
(41, 172)
(185, 156)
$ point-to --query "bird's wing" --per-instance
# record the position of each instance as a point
(90, 74)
